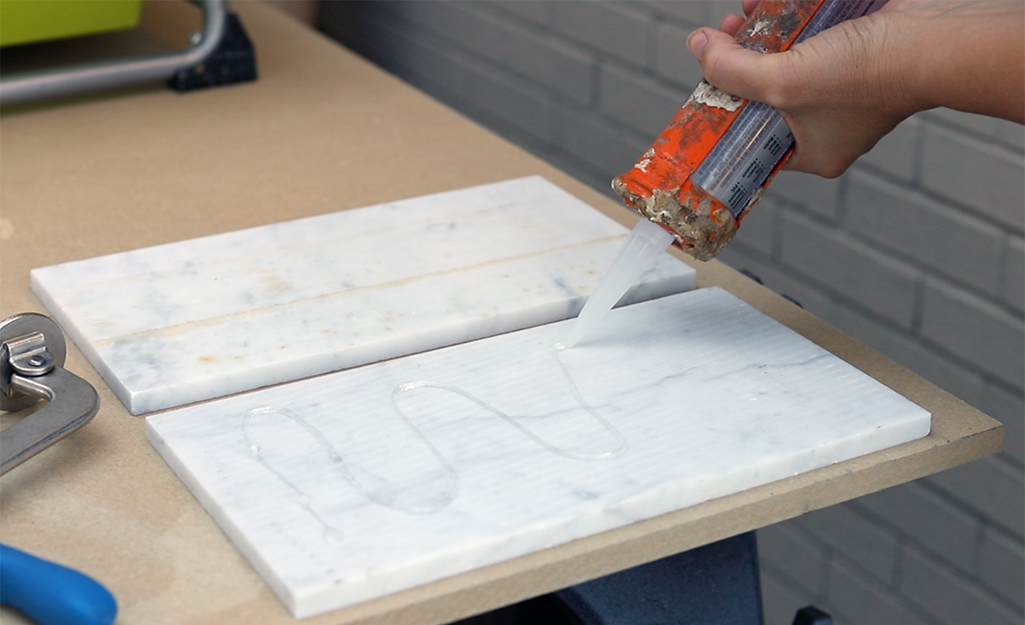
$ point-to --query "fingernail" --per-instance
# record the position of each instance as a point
(696, 42)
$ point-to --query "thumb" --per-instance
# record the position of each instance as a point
(730, 66)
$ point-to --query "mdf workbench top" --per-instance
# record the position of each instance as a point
(320, 131)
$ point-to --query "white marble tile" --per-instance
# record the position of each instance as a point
(348, 486)
(207, 317)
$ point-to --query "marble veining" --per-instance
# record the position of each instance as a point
(617, 444)
(382, 477)
(187, 321)
(420, 496)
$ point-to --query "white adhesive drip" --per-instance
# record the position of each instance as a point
(708, 95)
(646, 242)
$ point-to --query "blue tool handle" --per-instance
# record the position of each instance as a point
(51, 594)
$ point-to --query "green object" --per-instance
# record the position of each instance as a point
(29, 21)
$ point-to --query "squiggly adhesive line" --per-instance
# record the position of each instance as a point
(413, 500)
(621, 444)
(408, 499)
(330, 533)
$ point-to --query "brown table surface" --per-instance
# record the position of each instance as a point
(321, 130)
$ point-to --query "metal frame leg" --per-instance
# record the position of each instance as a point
(79, 79)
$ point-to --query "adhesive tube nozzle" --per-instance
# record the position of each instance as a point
(646, 242)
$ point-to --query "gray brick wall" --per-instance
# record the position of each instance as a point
(916, 251)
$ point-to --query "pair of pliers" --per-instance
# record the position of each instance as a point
(32, 352)
(51, 594)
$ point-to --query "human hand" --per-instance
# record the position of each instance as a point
(843, 89)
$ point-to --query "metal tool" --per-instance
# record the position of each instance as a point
(32, 353)
(713, 161)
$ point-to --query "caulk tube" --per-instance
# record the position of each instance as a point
(716, 157)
